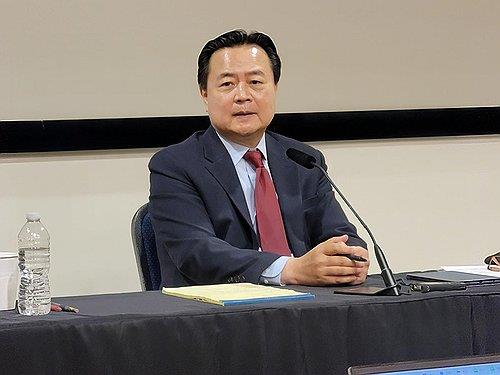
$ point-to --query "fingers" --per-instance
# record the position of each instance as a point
(361, 277)
(325, 265)
(319, 269)
(342, 238)
(334, 250)
(336, 280)
(333, 246)
(357, 281)
(361, 252)
(341, 261)
(340, 271)
(339, 275)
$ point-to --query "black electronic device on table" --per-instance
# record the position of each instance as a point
(454, 277)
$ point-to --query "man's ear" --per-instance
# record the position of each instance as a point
(203, 94)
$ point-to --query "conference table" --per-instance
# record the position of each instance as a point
(151, 333)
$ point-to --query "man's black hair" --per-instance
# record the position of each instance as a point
(237, 38)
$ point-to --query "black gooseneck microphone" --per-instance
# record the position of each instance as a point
(309, 162)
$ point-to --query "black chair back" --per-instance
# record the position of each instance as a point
(143, 239)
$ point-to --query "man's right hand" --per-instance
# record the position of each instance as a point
(323, 266)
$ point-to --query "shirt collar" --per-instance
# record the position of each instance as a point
(237, 151)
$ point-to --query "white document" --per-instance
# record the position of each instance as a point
(478, 270)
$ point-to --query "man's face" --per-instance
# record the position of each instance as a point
(240, 94)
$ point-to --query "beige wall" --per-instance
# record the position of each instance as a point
(121, 58)
(429, 201)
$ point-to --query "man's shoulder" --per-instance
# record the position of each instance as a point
(182, 152)
(287, 142)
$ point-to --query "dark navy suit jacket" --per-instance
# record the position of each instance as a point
(204, 234)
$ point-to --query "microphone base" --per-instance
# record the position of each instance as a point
(368, 290)
(389, 281)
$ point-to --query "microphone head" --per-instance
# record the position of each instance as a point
(301, 158)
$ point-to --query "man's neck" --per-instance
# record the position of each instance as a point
(243, 141)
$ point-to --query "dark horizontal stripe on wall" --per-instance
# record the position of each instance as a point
(147, 132)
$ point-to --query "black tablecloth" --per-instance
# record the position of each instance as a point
(135, 333)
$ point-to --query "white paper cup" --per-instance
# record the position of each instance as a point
(9, 280)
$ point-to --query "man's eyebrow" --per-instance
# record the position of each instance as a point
(258, 72)
(226, 74)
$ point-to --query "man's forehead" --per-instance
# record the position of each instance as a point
(228, 57)
(254, 50)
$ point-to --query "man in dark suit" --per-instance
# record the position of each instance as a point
(227, 205)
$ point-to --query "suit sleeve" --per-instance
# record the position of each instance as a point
(185, 233)
(325, 217)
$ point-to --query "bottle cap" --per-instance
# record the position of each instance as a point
(33, 216)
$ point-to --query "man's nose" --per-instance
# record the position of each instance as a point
(242, 93)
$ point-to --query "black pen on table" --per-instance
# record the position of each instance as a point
(57, 307)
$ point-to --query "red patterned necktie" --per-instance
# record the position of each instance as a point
(269, 222)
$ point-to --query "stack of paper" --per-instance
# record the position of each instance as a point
(478, 270)
(236, 294)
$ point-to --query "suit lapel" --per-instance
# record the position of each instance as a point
(286, 181)
(219, 164)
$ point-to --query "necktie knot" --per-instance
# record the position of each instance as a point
(254, 158)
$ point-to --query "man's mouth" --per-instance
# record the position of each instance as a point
(243, 114)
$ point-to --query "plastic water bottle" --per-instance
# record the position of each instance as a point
(34, 263)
